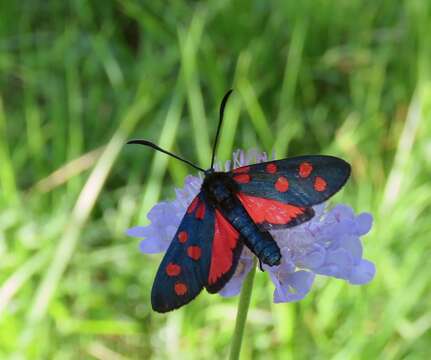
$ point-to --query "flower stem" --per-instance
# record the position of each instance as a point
(241, 316)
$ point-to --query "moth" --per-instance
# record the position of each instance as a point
(235, 209)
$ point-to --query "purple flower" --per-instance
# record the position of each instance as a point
(329, 244)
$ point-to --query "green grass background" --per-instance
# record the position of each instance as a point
(78, 78)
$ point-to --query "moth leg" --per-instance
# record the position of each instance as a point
(260, 266)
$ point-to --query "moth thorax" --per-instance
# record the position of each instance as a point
(217, 186)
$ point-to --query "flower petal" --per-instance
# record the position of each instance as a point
(363, 273)
(313, 259)
(136, 231)
(153, 247)
(233, 286)
(353, 246)
(343, 212)
(292, 287)
(364, 222)
(319, 210)
(338, 263)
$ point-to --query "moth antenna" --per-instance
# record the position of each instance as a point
(158, 148)
(222, 106)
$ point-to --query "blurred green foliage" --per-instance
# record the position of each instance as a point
(78, 78)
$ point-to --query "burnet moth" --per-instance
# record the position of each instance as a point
(237, 208)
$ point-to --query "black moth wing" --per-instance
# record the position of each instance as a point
(302, 181)
(184, 269)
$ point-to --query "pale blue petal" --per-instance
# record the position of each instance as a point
(319, 210)
(153, 247)
(338, 263)
(136, 231)
(364, 222)
(233, 286)
(313, 259)
(292, 287)
(343, 212)
(353, 246)
(363, 273)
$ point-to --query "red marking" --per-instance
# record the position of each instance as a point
(319, 184)
(200, 212)
(194, 252)
(271, 168)
(193, 205)
(173, 269)
(225, 240)
(270, 211)
(241, 170)
(242, 178)
(282, 184)
(183, 236)
(305, 169)
(180, 288)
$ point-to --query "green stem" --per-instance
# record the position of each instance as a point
(241, 316)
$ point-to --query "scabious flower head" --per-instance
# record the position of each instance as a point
(329, 244)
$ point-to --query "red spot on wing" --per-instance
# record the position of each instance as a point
(194, 252)
(305, 169)
(180, 288)
(271, 168)
(242, 178)
(241, 170)
(270, 211)
(183, 236)
(320, 184)
(200, 212)
(173, 269)
(282, 184)
(224, 242)
(193, 205)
